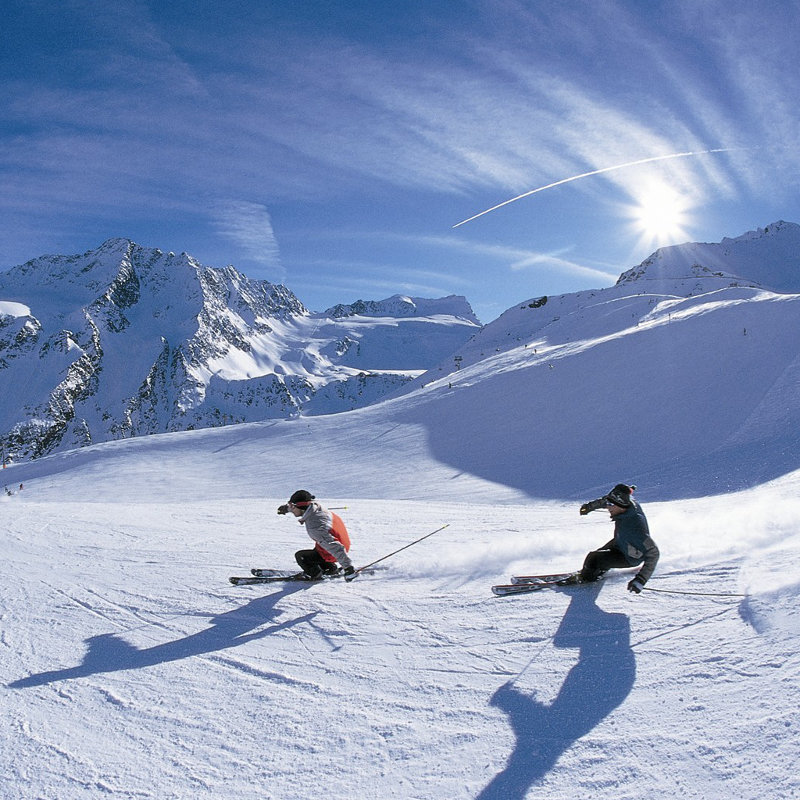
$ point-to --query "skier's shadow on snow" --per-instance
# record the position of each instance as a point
(593, 688)
(108, 652)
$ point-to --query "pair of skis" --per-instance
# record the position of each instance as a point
(284, 576)
(524, 584)
(277, 576)
(520, 584)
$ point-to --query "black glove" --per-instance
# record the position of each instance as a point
(350, 573)
(284, 509)
(636, 585)
(593, 506)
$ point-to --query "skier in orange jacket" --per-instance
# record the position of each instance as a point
(326, 529)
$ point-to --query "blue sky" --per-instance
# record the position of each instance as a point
(332, 146)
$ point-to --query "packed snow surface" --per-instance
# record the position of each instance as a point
(132, 669)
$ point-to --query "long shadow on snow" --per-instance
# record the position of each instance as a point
(593, 688)
(108, 652)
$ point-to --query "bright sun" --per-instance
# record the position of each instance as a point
(660, 214)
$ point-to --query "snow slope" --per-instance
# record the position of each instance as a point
(685, 379)
(130, 668)
(694, 395)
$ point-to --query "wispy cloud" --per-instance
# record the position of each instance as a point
(121, 116)
(419, 276)
(249, 227)
(515, 258)
(502, 116)
(479, 110)
(351, 288)
(348, 276)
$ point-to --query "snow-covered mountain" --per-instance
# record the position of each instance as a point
(400, 333)
(767, 257)
(124, 340)
(404, 307)
(686, 363)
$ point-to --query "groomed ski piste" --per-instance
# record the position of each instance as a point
(131, 668)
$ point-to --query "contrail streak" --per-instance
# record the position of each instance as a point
(593, 172)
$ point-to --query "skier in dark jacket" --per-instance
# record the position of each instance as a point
(631, 544)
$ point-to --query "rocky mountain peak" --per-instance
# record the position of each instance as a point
(125, 340)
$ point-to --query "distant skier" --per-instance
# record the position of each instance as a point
(631, 544)
(328, 532)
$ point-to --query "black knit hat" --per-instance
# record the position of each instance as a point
(301, 498)
(620, 495)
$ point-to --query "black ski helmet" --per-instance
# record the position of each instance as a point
(620, 495)
(301, 498)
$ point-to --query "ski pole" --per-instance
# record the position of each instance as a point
(405, 547)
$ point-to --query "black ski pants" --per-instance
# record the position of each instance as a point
(313, 564)
(598, 562)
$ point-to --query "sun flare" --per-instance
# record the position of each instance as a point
(661, 214)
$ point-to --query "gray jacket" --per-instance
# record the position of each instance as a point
(318, 522)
